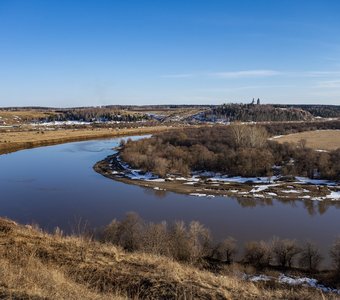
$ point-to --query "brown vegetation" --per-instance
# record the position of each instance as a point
(323, 140)
(17, 140)
(37, 265)
(237, 150)
(14, 117)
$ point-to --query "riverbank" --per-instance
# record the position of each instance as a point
(205, 184)
(12, 141)
(38, 265)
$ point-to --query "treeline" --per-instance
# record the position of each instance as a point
(193, 243)
(281, 128)
(236, 150)
(324, 111)
(253, 113)
(95, 114)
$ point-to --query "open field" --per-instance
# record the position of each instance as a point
(319, 140)
(16, 140)
(16, 117)
(37, 265)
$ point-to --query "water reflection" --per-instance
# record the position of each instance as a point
(52, 186)
(312, 207)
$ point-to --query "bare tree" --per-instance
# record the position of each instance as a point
(284, 251)
(189, 243)
(111, 232)
(238, 134)
(156, 239)
(225, 250)
(310, 257)
(256, 136)
(179, 241)
(335, 254)
(161, 166)
(199, 240)
(130, 231)
(257, 254)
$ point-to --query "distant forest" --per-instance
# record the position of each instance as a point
(236, 150)
(256, 112)
(96, 115)
(253, 113)
(323, 111)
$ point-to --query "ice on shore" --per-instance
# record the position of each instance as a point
(294, 281)
(334, 195)
(258, 191)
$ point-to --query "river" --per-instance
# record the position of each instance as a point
(57, 186)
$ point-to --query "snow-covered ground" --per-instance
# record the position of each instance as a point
(307, 180)
(258, 191)
(60, 123)
(303, 281)
(71, 123)
(276, 137)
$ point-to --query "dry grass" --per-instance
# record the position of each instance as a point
(37, 265)
(18, 116)
(16, 140)
(320, 139)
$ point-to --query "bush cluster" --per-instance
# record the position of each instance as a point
(193, 244)
(236, 150)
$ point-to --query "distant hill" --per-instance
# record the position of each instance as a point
(253, 113)
(323, 111)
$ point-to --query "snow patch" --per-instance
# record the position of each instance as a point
(334, 195)
(295, 281)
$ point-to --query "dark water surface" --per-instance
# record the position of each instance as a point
(56, 186)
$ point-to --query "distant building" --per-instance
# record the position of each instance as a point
(258, 101)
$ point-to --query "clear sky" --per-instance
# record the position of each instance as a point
(73, 53)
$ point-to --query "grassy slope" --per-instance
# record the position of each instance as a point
(37, 265)
(323, 139)
(18, 116)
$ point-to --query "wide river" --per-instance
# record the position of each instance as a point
(56, 186)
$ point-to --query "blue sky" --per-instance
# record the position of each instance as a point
(72, 53)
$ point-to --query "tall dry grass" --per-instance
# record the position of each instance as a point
(37, 265)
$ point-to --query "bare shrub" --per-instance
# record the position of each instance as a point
(310, 257)
(161, 166)
(199, 241)
(257, 254)
(156, 239)
(126, 233)
(179, 241)
(238, 133)
(335, 254)
(111, 232)
(226, 250)
(256, 136)
(284, 251)
(189, 244)
(130, 230)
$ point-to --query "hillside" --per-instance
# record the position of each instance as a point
(253, 113)
(37, 265)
